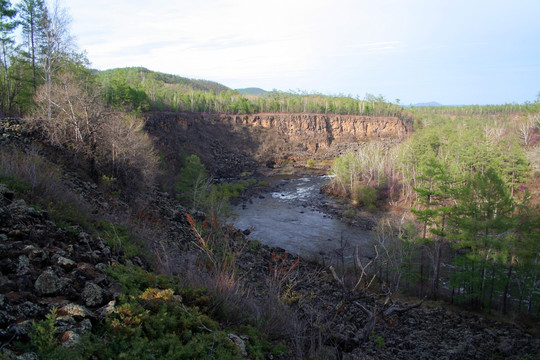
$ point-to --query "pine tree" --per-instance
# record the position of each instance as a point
(31, 14)
(8, 24)
(483, 216)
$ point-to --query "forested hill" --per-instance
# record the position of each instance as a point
(144, 90)
(252, 91)
(139, 75)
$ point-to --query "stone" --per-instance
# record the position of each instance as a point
(48, 283)
(6, 319)
(18, 207)
(34, 253)
(104, 311)
(83, 327)
(19, 331)
(69, 339)
(240, 344)
(28, 309)
(65, 263)
(28, 356)
(86, 271)
(23, 265)
(64, 323)
(506, 346)
(75, 310)
(101, 267)
(92, 294)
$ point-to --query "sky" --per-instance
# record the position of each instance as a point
(453, 52)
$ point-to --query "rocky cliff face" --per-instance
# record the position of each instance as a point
(230, 144)
(319, 131)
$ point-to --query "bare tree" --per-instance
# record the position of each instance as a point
(56, 46)
(72, 115)
(127, 149)
(527, 128)
(73, 111)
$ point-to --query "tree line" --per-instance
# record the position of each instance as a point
(144, 90)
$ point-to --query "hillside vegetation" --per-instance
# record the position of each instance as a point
(107, 251)
(473, 196)
(139, 88)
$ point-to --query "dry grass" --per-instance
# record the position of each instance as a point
(40, 181)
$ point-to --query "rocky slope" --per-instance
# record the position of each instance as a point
(44, 266)
(231, 144)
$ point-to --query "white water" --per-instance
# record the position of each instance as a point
(287, 218)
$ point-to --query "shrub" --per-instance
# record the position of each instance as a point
(71, 116)
(367, 197)
(42, 339)
(119, 238)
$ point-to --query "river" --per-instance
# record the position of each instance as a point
(289, 216)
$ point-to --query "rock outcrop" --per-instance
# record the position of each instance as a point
(319, 131)
(231, 144)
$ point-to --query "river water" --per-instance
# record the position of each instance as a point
(290, 216)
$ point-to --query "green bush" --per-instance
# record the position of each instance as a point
(367, 197)
(157, 319)
(42, 339)
(119, 238)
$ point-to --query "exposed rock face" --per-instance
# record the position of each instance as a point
(230, 144)
(319, 131)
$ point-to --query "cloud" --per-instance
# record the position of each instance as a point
(378, 47)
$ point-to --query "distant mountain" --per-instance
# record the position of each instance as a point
(431, 103)
(137, 75)
(252, 91)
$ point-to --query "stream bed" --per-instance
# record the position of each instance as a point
(290, 216)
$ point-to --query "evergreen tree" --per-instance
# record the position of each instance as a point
(483, 217)
(433, 205)
(8, 24)
(31, 14)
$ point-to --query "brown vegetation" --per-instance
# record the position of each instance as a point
(113, 143)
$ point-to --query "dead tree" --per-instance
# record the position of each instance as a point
(387, 312)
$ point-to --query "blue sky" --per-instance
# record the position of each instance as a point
(453, 52)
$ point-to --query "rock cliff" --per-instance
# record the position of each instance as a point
(319, 131)
(230, 144)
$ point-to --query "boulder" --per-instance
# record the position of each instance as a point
(28, 310)
(75, 310)
(239, 343)
(69, 338)
(92, 294)
(65, 263)
(48, 283)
